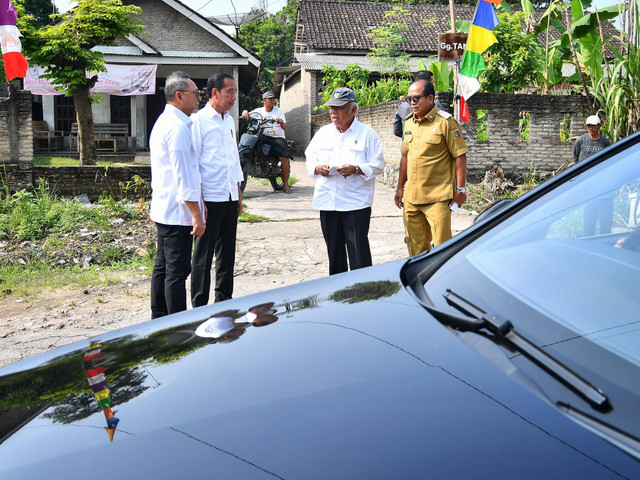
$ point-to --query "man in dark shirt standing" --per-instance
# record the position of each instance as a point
(591, 142)
(586, 145)
(404, 109)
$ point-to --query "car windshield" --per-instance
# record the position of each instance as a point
(572, 256)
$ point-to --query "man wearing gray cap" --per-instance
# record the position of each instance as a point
(344, 158)
(275, 135)
(587, 145)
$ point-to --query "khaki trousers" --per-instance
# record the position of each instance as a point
(426, 223)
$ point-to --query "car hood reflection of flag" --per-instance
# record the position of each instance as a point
(100, 386)
(480, 38)
(15, 65)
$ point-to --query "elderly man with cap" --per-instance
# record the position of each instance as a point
(344, 158)
(591, 142)
(275, 135)
(587, 145)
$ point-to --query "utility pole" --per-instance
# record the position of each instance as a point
(456, 68)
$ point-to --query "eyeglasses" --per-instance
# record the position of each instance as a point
(341, 107)
(195, 92)
(414, 99)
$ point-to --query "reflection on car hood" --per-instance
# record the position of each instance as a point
(343, 377)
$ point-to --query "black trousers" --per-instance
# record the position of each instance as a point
(220, 239)
(346, 229)
(173, 264)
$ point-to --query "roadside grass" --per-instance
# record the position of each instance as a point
(246, 217)
(37, 276)
(292, 181)
(42, 232)
(53, 161)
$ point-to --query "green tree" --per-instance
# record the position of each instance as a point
(64, 49)
(271, 38)
(389, 41)
(516, 61)
(41, 11)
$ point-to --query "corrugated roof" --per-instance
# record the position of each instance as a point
(118, 50)
(179, 53)
(315, 61)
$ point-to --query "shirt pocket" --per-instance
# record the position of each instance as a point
(431, 144)
(325, 154)
(355, 152)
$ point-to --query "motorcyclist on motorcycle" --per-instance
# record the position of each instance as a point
(274, 136)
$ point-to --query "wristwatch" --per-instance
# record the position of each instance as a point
(461, 189)
(358, 171)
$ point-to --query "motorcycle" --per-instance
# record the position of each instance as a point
(256, 158)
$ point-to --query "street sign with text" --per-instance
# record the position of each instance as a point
(451, 46)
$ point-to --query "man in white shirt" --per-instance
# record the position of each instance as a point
(176, 204)
(345, 157)
(274, 136)
(214, 141)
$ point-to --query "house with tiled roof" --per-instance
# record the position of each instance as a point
(334, 32)
(176, 37)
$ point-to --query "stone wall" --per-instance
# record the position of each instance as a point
(75, 181)
(544, 152)
(118, 181)
(16, 140)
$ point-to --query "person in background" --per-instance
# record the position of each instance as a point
(274, 136)
(405, 109)
(587, 145)
(344, 158)
(176, 203)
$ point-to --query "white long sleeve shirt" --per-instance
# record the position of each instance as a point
(174, 169)
(214, 141)
(360, 145)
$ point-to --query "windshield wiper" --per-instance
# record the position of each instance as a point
(477, 320)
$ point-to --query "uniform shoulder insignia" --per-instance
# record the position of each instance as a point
(444, 114)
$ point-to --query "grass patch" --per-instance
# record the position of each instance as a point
(37, 276)
(292, 181)
(52, 161)
(251, 218)
(56, 253)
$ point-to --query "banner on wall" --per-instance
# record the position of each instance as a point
(120, 80)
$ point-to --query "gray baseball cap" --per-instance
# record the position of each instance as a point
(340, 96)
(266, 95)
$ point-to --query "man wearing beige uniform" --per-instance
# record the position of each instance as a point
(433, 170)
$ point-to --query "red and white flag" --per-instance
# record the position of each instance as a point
(15, 65)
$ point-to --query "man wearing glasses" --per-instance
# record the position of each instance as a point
(176, 204)
(344, 158)
(214, 141)
(433, 170)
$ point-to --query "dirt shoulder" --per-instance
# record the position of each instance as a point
(288, 249)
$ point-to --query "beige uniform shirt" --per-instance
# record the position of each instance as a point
(431, 146)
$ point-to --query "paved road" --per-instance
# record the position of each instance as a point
(287, 250)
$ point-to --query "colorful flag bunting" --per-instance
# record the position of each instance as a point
(15, 65)
(480, 38)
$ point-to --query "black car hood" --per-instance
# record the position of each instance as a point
(343, 377)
